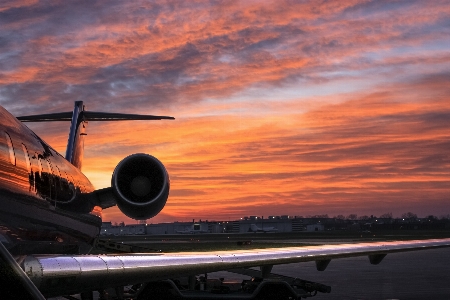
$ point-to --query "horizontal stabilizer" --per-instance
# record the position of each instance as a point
(90, 116)
(79, 118)
(63, 116)
(102, 116)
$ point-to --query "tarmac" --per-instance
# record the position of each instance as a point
(408, 275)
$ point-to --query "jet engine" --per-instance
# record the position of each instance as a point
(141, 185)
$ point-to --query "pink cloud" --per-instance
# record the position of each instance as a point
(280, 106)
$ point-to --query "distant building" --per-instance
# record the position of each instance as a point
(315, 227)
(163, 228)
(122, 229)
(283, 223)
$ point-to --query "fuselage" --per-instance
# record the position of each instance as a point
(36, 184)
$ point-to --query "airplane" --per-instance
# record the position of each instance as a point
(49, 222)
(255, 228)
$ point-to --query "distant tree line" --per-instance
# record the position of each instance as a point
(407, 220)
(354, 217)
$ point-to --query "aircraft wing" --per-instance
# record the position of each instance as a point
(72, 274)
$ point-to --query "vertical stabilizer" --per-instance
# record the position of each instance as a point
(75, 144)
(79, 119)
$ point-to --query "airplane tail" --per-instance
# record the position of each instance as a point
(75, 143)
(79, 118)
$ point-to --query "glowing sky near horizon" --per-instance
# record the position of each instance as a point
(281, 107)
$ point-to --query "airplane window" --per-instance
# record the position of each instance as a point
(39, 164)
(58, 178)
(58, 172)
(70, 187)
(53, 180)
(50, 170)
(12, 156)
(27, 158)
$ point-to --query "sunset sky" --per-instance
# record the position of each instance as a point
(281, 107)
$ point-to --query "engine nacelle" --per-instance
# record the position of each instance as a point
(141, 185)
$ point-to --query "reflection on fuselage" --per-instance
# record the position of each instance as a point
(42, 171)
(37, 188)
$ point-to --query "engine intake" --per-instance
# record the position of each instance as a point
(141, 185)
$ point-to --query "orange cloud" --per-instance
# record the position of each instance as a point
(300, 107)
(373, 151)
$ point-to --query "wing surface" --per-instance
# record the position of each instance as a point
(89, 272)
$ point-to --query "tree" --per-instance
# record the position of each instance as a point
(364, 218)
(340, 217)
(432, 218)
(409, 215)
(325, 216)
(352, 216)
(386, 216)
(445, 217)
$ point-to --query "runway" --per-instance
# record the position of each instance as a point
(409, 275)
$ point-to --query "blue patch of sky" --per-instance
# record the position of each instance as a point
(68, 89)
(9, 60)
(412, 73)
(375, 8)
(226, 58)
(430, 48)
(183, 80)
(251, 101)
(337, 81)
